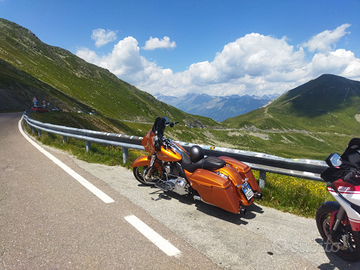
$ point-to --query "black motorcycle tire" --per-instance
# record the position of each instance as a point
(137, 171)
(323, 224)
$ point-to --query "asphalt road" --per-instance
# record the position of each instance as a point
(48, 220)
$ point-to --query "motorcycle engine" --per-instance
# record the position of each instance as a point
(174, 182)
(178, 185)
(171, 169)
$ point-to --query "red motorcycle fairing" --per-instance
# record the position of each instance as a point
(352, 195)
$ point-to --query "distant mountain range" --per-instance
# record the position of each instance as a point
(216, 107)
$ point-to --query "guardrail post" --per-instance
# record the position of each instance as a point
(39, 132)
(88, 146)
(64, 139)
(33, 130)
(125, 154)
(262, 178)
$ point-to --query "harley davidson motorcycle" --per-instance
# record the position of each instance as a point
(220, 181)
(339, 221)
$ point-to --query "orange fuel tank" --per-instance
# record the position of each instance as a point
(168, 154)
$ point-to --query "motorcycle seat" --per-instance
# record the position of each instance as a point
(208, 163)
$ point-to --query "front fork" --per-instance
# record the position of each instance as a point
(338, 218)
(335, 221)
(147, 174)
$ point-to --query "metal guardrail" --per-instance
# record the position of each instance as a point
(302, 168)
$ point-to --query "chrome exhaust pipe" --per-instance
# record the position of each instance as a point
(198, 198)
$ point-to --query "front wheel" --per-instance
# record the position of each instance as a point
(139, 175)
(344, 242)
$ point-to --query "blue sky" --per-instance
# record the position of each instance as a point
(217, 47)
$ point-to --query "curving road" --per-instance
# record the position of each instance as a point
(51, 220)
(48, 220)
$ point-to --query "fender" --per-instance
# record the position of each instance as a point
(141, 161)
(331, 205)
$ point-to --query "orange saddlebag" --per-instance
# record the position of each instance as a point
(244, 170)
(215, 190)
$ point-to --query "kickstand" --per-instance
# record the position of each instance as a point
(161, 196)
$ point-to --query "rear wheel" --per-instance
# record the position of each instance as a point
(139, 175)
(344, 242)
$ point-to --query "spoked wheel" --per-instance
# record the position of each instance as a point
(344, 242)
(139, 175)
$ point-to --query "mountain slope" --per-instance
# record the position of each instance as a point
(45, 70)
(217, 108)
(17, 88)
(327, 104)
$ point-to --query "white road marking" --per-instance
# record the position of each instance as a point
(105, 198)
(153, 236)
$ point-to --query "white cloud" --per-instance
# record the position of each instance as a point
(322, 42)
(103, 37)
(124, 61)
(340, 62)
(155, 43)
(253, 55)
(253, 64)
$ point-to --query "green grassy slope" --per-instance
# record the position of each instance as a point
(312, 120)
(327, 104)
(48, 67)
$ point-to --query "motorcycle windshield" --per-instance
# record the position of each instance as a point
(159, 126)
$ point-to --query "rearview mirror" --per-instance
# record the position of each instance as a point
(333, 160)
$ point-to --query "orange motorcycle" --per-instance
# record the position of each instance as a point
(221, 181)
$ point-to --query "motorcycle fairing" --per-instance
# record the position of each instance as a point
(353, 216)
(148, 142)
(343, 199)
(349, 191)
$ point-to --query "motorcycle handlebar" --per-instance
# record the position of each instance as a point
(171, 124)
(350, 175)
(353, 175)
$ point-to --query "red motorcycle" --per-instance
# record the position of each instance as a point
(221, 181)
(339, 222)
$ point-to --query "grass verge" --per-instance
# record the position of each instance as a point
(293, 195)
